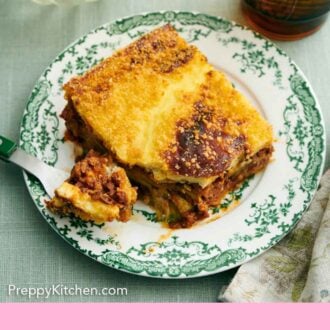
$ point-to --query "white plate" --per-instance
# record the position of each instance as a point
(258, 214)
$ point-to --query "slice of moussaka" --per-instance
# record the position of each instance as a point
(97, 190)
(184, 135)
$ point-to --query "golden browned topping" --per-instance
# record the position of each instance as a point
(160, 51)
(160, 105)
(80, 132)
(203, 146)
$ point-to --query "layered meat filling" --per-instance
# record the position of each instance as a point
(95, 184)
(178, 204)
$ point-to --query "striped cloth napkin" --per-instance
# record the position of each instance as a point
(295, 270)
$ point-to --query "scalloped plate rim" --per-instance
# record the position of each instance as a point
(116, 21)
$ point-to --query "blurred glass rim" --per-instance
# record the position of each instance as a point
(295, 10)
(61, 2)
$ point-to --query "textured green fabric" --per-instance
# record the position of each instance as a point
(31, 254)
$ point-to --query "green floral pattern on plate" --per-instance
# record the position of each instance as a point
(173, 258)
(270, 204)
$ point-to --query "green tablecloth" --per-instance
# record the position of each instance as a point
(31, 254)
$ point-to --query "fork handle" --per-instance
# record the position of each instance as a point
(7, 147)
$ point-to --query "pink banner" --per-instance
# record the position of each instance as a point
(163, 316)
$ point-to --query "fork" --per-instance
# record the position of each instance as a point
(50, 177)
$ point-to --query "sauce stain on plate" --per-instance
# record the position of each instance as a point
(166, 236)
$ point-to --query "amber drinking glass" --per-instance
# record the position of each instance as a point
(286, 19)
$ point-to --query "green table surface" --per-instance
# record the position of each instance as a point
(31, 254)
